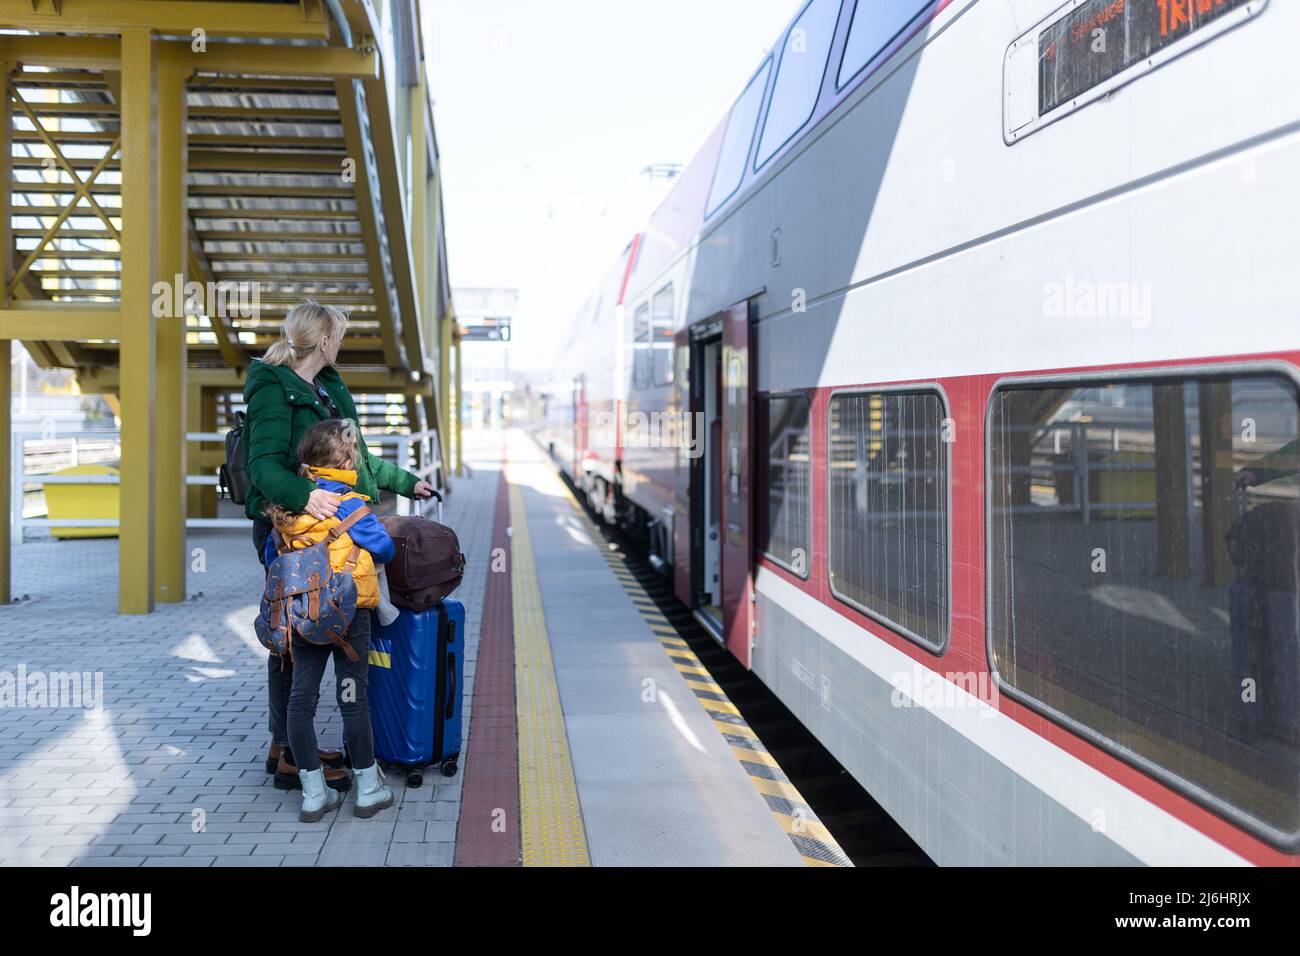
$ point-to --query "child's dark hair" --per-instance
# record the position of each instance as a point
(329, 444)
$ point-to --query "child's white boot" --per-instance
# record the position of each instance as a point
(317, 799)
(372, 794)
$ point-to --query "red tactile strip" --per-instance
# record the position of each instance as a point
(488, 834)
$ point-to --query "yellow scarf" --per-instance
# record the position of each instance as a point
(343, 475)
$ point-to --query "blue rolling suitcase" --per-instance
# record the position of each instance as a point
(417, 665)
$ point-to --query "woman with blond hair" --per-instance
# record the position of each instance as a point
(294, 387)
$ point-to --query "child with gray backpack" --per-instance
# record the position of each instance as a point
(322, 593)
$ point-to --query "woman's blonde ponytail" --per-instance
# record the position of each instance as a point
(305, 325)
(280, 353)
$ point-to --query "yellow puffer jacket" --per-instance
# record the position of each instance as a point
(306, 531)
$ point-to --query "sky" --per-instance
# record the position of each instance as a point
(547, 111)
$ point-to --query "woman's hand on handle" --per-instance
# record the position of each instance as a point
(423, 491)
(323, 504)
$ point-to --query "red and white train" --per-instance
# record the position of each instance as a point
(955, 386)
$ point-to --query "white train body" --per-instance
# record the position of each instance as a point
(928, 233)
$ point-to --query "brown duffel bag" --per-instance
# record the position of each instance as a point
(428, 564)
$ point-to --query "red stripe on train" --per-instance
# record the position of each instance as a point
(966, 651)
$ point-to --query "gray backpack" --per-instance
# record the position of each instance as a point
(304, 596)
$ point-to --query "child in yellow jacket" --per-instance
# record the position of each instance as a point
(329, 453)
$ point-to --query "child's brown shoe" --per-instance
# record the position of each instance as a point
(286, 776)
(330, 758)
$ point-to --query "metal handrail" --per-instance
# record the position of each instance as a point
(22, 478)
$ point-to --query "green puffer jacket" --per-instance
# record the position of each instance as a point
(281, 409)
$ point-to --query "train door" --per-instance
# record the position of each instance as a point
(737, 531)
(579, 428)
(684, 518)
(708, 487)
(720, 514)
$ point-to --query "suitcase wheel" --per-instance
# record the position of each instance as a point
(449, 767)
(414, 778)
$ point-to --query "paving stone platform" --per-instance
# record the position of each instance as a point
(169, 770)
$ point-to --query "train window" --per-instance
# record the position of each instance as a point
(641, 347)
(661, 370)
(799, 76)
(876, 24)
(1144, 547)
(737, 140)
(888, 510)
(785, 476)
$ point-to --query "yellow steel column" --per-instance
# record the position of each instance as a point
(455, 410)
(6, 347)
(419, 218)
(424, 255)
(446, 391)
(6, 465)
(138, 355)
(215, 454)
(173, 248)
(200, 413)
(440, 318)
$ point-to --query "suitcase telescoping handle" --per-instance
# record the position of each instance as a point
(437, 496)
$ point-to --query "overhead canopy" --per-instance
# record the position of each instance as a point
(298, 176)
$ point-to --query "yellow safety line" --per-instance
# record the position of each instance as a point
(719, 706)
(801, 826)
(736, 730)
(700, 683)
(755, 756)
(776, 788)
(551, 827)
(684, 669)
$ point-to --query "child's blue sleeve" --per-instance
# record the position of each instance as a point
(268, 550)
(369, 533)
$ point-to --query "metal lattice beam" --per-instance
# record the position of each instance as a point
(278, 21)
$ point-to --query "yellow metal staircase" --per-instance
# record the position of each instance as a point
(180, 173)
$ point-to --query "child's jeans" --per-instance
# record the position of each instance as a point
(352, 681)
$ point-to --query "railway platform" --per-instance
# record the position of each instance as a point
(593, 735)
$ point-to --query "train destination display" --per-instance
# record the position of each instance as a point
(1102, 38)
